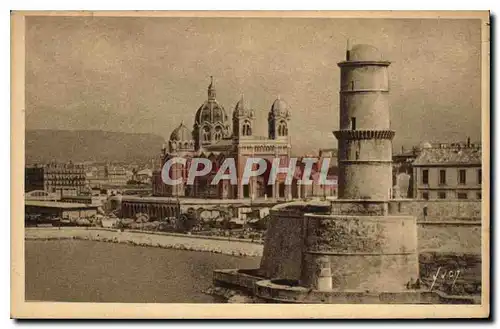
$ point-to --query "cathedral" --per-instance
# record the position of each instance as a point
(214, 138)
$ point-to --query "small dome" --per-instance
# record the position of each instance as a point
(280, 107)
(359, 53)
(242, 109)
(181, 133)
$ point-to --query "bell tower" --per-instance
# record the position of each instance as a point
(243, 120)
(279, 120)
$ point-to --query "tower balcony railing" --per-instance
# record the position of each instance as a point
(364, 134)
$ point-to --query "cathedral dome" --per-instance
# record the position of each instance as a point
(280, 107)
(181, 133)
(211, 111)
(363, 52)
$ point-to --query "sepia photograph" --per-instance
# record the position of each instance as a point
(250, 164)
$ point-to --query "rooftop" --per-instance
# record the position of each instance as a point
(449, 156)
(364, 52)
(53, 204)
(185, 200)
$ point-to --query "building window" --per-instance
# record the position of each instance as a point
(462, 176)
(425, 176)
(442, 177)
(478, 195)
(217, 134)
(461, 195)
(425, 195)
(442, 195)
(282, 129)
(206, 134)
(247, 129)
(353, 123)
(479, 176)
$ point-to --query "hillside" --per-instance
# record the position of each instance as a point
(88, 145)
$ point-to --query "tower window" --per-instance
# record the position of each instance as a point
(479, 176)
(353, 123)
(247, 129)
(282, 129)
(442, 195)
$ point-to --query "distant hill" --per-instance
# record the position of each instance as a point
(90, 145)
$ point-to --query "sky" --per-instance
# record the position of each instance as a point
(147, 74)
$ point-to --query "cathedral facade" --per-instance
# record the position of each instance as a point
(216, 136)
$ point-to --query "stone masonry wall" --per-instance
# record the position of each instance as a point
(282, 256)
(437, 210)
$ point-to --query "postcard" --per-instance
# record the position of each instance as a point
(286, 164)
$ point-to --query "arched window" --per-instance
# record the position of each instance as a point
(247, 129)
(282, 129)
(206, 134)
(218, 134)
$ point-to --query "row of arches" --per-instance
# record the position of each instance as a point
(279, 129)
(216, 133)
(158, 211)
(207, 133)
(186, 145)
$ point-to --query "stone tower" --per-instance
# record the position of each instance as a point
(279, 120)
(243, 119)
(358, 249)
(364, 135)
(365, 248)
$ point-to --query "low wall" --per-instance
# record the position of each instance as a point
(437, 210)
(458, 237)
(164, 240)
